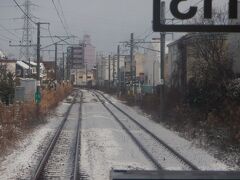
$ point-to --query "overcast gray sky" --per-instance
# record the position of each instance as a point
(107, 21)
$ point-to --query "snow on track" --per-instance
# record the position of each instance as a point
(60, 162)
(105, 145)
(197, 156)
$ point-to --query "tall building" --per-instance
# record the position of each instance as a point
(75, 61)
(89, 52)
(75, 56)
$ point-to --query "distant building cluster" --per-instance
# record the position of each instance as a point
(81, 61)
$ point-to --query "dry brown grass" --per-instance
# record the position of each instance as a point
(17, 118)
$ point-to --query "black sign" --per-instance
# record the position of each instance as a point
(158, 26)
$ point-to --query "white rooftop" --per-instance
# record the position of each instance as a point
(23, 65)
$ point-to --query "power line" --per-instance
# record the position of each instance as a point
(64, 18)
(149, 49)
(61, 20)
(7, 30)
(50, 34)
(24, 12)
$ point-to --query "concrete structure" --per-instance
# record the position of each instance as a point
(89, 52)
(140, 61)
(75, 62)
(82, 77)
(103, 69)
(49, 69)
(29, 86)
(181, 62)
(75, 57)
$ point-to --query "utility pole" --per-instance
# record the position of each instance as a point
(63, 71)
(55, 66)
(86, 75)
(118, 70)
(109, 72)
(131, 56)
(163, 39)
(113, 73)
(38, 92)
(97, 75)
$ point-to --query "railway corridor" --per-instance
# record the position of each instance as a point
(97, 133)
(111, 140)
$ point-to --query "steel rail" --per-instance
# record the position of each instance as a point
(78, 141)
(53, 142)
(135, 140)
(169, 148)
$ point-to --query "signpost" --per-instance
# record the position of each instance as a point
(158, 26)
(38, 97)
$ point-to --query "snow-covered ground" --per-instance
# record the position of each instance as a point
(186, 148)
(105, 145)
(19, 163)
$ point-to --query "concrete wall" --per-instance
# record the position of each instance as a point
(29, 88)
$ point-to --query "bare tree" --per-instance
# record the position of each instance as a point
(212, 65)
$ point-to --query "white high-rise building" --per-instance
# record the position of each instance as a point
(89, 52)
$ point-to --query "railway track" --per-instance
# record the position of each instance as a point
(61, 158)
(126, 122)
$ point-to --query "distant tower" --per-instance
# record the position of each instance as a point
(89, 52)
(25, 50)
(87, 39)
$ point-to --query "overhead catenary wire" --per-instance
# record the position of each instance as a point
(148, 48)
(50, 34)
(64, 18)
(61, 20)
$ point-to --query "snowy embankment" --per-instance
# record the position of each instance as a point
(21, 161)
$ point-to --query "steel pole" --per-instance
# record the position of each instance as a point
(109, 72)
(163, 39)
(118, 70)
(55, 67)
(63, 66)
